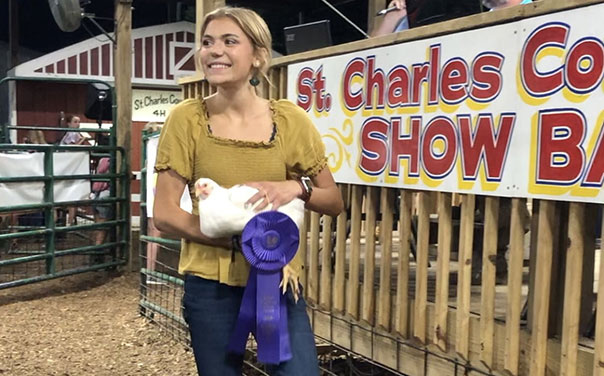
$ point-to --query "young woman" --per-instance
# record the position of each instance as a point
(236, 137)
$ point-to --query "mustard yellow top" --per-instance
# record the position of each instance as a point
(188, 147)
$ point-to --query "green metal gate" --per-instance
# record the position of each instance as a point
(35, 244)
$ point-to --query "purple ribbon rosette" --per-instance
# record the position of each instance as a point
(269, 241)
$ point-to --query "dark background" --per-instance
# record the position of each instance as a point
(38, 31)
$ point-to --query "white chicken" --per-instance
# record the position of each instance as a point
(223, 213)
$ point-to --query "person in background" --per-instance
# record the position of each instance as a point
(104, 212)
(70, 137)
(394, 21)
(152, 247)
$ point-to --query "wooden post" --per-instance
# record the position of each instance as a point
(203, 7)
(466, 236)
(374, 6)
(599, 340)
(339, 289)
(313, 262)
(325, 292)
(122, 66)
(487, 306)
(402, 286)
(572, 289)
(512, 321)
(352, 304)
(385, 298)
(421, 277)
(541, 295)
(441, 309)
(368, 308)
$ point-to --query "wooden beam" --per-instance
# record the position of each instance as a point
(464, 279)
(385, 298)
(421, 276)
(572, 289)
(445, 230)
(402, 284)
(514, 298)
(542, 287)
(122, 67)
(352, 304)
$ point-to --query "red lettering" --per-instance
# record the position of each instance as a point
(486, 77)
(398, 90)
(374, 145)
(319, 88)
(420, 75)
(537, 83)
(454, 81)
(405, 146)
(583, 80)
(304, 86)
(353, 100)
(485, 144)
(560, 157)
(375, 79)
(594, 177)
(438, 165)
(434, 65)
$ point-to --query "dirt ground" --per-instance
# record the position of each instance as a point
(84, 325)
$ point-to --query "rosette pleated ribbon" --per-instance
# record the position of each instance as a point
(269, 241)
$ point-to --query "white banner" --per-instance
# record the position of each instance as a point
(509, 110)
(185, 201)
(32, 164)
(153, 105)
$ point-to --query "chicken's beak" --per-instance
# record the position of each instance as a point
(198, 190)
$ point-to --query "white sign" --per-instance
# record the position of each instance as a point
(509, 110)
(153, 105)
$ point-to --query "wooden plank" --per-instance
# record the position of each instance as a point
(514, 298)
(313, 262)
(368, 306)
(384, 296)
(421, 276)
(598, 366)
(374, 6)
(325, 291)
(445, 229)
(402, 284)
(282, 82)
(466, 236)
(302, 250)
(352, 303)
(572, 289)
(487, 301)
(542, 288)
(340, 270)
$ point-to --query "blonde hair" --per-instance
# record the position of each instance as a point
(254, 27)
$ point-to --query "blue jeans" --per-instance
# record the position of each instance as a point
(211, 310)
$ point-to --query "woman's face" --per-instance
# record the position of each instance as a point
(227, 54)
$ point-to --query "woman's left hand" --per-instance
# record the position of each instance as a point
(276, 193)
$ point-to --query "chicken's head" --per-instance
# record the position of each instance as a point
(203, 188)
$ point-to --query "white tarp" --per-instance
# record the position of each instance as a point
(32, 164)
